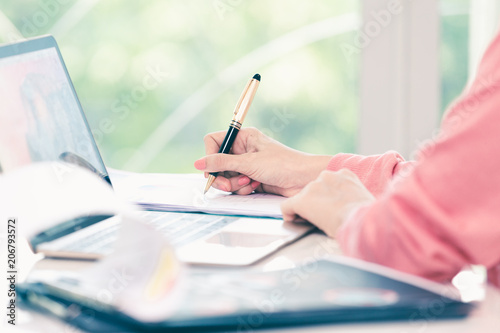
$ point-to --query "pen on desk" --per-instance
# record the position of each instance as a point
(239, 113)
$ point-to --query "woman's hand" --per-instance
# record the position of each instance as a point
(328, 200)
(259, 163)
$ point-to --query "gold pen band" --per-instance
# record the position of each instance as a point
(235, 124)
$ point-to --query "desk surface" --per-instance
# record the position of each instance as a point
(486, 318)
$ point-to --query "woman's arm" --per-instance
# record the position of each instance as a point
(445, 212)
(375, 171)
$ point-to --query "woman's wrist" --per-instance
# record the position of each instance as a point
(312, 166)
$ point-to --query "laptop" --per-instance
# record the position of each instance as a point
(42, 120)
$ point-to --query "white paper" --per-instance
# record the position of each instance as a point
(44, 194)
(143, 268)
(184, 192)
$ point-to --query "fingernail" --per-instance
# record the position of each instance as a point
(243, 180)
(200, 164)
(254, 185)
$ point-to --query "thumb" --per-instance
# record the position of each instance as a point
(221, 162)
(288, 209)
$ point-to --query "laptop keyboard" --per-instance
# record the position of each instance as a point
(187, 228)
(179, 228)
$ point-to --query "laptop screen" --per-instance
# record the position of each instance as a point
(41, 117)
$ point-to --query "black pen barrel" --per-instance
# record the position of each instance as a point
(226, 145)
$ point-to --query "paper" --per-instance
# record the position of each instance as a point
(141, 278)
(143, 269)
(184, 192)
(43, 194)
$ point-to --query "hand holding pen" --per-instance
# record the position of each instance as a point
(239, 114)
(257, 163)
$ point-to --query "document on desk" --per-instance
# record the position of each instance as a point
(317, 292)
(184, 192)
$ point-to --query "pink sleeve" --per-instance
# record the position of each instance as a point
(444, 212)
(375, 171)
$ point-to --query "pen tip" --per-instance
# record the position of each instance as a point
(257, 77)
(210, 181)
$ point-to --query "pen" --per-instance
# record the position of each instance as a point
(239, 113)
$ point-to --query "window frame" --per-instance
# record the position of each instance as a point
(400, 77)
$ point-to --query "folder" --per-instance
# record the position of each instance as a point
(319, 292)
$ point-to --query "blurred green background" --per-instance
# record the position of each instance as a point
(155, 76)
(454, 49)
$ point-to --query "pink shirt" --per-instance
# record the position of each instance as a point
(434, 216)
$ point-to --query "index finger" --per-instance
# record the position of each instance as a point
(213, 142)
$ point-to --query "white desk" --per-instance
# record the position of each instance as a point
(486, 318)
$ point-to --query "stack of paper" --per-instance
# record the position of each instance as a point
(184, 193)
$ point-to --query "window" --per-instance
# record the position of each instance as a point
(155, 76)
(418, 63)
(454, 49)
(467, 28)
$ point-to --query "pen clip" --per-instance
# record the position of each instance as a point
(245, 101)
(242, 96)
